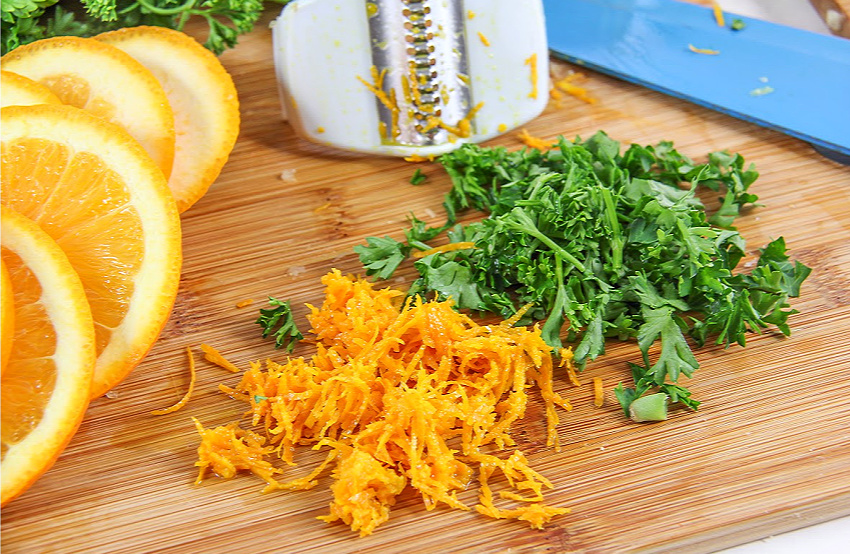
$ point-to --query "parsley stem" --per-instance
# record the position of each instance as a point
(652, 407)
(522, 222)
(185, 6)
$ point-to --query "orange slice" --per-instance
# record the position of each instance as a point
(7, 316)
(23, 91)
(103, 80)
(91, 186)
(45, 389)
(202, 97)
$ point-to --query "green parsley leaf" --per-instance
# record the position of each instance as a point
(280, 322)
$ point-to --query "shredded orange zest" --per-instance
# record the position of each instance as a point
(470, 14)
(418, 158)
(707, 51)
(244, 303)
(182, 402)
(413, 394)
(567, 84)
(598, 392)
(533, 142)
(322, 207)
(450, 247)
(532, 62)
(718, 14)
(483, 39)
(227, 449)
(214, 356)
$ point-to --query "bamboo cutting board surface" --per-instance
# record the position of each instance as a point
(767, 451)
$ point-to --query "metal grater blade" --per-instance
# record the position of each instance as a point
(420, 64)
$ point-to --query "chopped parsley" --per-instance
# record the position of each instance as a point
(606, 245)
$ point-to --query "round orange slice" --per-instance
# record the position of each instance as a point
(93, 188)
(23, 91)
(105, 81)
(202, 96)
(7, 316)
(45, 388)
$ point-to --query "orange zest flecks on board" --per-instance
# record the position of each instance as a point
(483, 39)
(531, 61)
(718, 14)
(450, 247)
(214, 356)
(707, 51)
(414, 395)
(567, 84)
(416, 158)
(182, 402)
(533, 142)
(598, 392)
(245, 303)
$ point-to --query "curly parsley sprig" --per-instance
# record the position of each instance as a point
(25, 21)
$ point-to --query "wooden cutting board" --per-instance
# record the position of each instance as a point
(767, 451)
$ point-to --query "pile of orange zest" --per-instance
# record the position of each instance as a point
(566, 84)
(227, 449)
(406, 395)
(718, 14)
(483, 39)
(598, 392)
(182, 402)
(450, 247)
(418, 158)
(566, 355)
(532, 61)
(214, 356)
(244, 303)
(388, 101)
(533, 142)
(707, 51)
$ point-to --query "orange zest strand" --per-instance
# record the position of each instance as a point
(214, 356)
(567, 84)
(567, 363)
(707, 51)
(417, 158)
(244, 303)
(532, 62)
(511, 321)
(450, 247)
(403, 394)
(483, 39)
(182, 402)
(718, 14)
(598, 392)
(533, 142)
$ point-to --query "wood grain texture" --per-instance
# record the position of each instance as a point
(767, 451)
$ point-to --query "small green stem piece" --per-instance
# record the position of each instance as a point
(652, 407)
